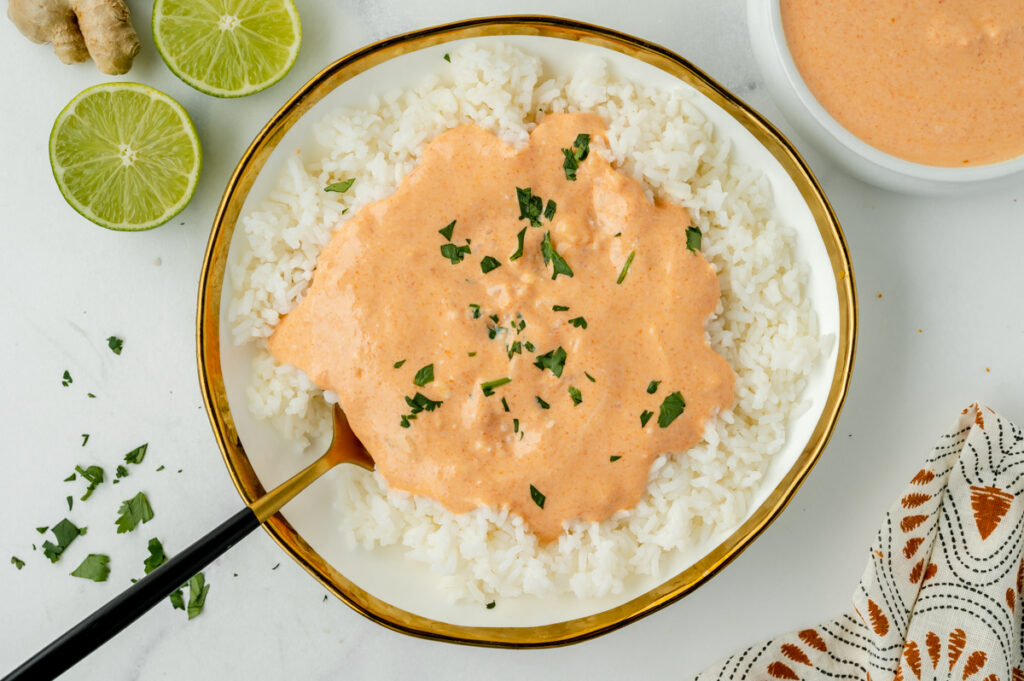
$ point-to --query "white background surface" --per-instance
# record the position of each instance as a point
(950, 268)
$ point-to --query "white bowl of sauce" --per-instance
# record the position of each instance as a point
(916, 96)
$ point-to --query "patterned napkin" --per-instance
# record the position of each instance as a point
(940, 598)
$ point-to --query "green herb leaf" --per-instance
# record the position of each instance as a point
(455, 254)
(537, 497)
(71, 478)
(542, 403)
(693, 239)
(448, 230)
(471, 354)
(515, 349)
(43, 529)
(645, 416)
(94, 474)
(65, 532)
(576, 396)
(132, 512)
(592, 379)
(554, 360)
(581, 147)
(652, 387)
(95, 567)
(66, 379)
(424, 375)
(71, 503)
(17, 562)
(85, 438)
(448, 59)
(157, 557)
(490, 606)
(177, 600)
(519, 251)
(529, 346)
(579, 152)
(560, 308)
(420, 402)
(549, 210)
(340, 187)
(671, 408)
(614, 458)
(530, 206)
(489, 386)
(476, 310)
(136, 455)
(625, 268)
(504, 404)
(488, 264)
(578, 322)
(559, 265)
(115, 344)
(398, 364)
(515, 425)
(90, 395)
(197, 590)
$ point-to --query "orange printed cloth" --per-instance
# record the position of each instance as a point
(940, 597)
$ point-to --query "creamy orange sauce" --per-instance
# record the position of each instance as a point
(939, 82)
(383, 293)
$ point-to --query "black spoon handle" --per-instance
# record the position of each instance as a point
(105, 623)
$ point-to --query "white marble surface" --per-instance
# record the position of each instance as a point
(949, 268)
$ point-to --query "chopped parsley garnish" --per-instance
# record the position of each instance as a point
(578, 152)
(17, 562)
(66, 379)
(418, 403)
(515, 425)
(578, 322)
(559, 265)
(156, 557)
(553, 360)
(625, 268)
(398, 364)
(95, 567)
(493, 318)
(136, 455)
(94, 474)
(447, 230)
(529, 346)
(490, 606)
(576, 396)
(115, 344)
(693, 239)
(614, 458)
(504, 404)
(645, 416)
(90, 395)
(652, 387)
(340, 187)
(471, 354)
(489, 386)
(424, 375)
(447, 57)
(455, 253)
(671, 408)
(85, 438)
(476, 310)
(515, 349)
(530, 206)
(542, 403)
(520, 325)
(197, 590)
(537, 497)
(43, 529)
(617, 234)
(488, 264)
(549, 210)
(132, 512)
(65, 532)
(121, 472)
(560, 308)
(519, 251)
(591, 378)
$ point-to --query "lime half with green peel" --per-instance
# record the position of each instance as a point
(227, 48)
(125, 156)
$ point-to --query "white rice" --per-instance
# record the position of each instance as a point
(765, 326)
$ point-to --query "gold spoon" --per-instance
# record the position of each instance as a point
(102, 625)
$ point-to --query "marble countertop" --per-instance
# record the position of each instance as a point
(941, 325)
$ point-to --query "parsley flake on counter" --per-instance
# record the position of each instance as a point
(488, 264)
(578, 322)
(456, 253)
(424, 375)
(66, 379)
(160, 468)
(398, 364)
(559, 265)
(589, 377)
(554, 360)
(476, 310)
(17, 562)
(614, 458)
(65, 532)
(90, 395)
(575, 155)
(156, 557)
(489, 386)
(576, 395)
(542, 403)
(519, 251)
(177, 600)
(94, 474)
(197, 590)
(625, 268)
(645, 416)
(85, 438)
(43, 529)
(537, 497)
(447, 230)
(340, 187)
(95, 567)
(448, 58)
(136, 455)
(560, 308)
(71, 503)
(490, 606)
(115, 344)
(530, 206)
(671, 408)
(132, 512)
(120, 472)
(71, 478)
(693, 239)
(549, 210)
(652, 387)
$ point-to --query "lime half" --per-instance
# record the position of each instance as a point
(125, 156)
(227, 48)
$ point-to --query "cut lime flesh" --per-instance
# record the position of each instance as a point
(125, 156)
(227, 48)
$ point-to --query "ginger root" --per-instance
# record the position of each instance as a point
(79, 29)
